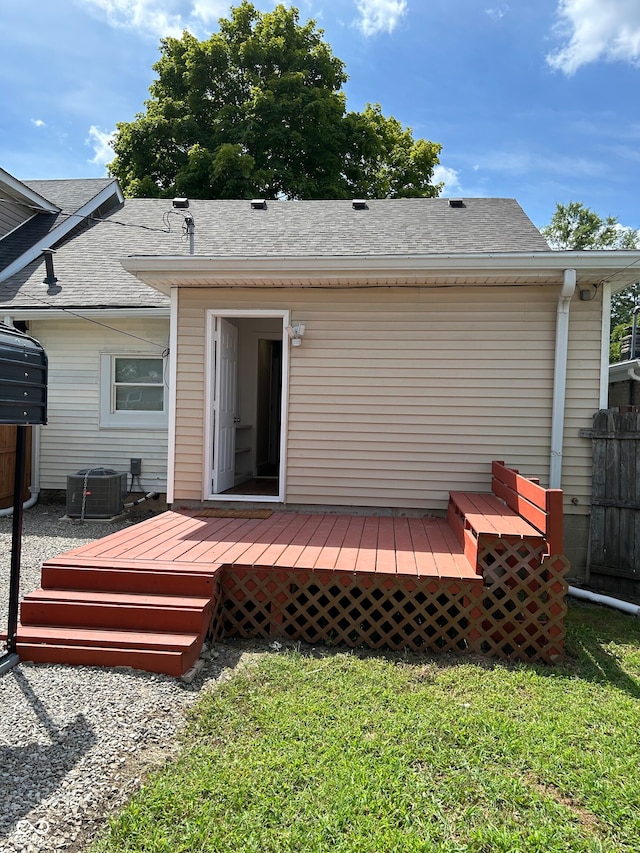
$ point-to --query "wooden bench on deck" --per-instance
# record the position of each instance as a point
(517, 510)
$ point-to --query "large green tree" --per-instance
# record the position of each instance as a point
(574, 226)
(258, 110)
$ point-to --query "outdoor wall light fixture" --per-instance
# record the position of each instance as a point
(296, 333)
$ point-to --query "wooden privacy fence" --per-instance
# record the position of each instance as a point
(613, 563)
(8, 465)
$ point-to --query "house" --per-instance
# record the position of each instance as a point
(374, 355)
(104, 332)
(367, 355)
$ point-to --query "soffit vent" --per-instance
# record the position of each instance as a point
(456, 202)
(258, 204)
(359, 204)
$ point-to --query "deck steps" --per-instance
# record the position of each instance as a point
(122, 611)
(150, 577)
(171, 654)
(88, 611)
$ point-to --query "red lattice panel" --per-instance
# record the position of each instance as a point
(377, 611)
(523, 601)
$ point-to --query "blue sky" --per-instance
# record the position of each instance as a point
(532, 99)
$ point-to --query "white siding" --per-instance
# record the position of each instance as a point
(398, 395)
(72, 439)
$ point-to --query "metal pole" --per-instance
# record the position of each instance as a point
(16, 541)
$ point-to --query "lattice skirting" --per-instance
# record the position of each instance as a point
(400, 612)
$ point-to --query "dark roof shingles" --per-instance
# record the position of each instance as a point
(90, 274)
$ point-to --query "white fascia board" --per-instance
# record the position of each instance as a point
(26, 194)
(62, 230)
(195, 267)
(81, 313)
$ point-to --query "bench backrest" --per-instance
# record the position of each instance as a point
(541, 507)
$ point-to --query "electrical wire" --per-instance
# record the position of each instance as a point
(90, 217)
(618, 272)
(99, 323)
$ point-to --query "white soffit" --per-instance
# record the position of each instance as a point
(620, 269)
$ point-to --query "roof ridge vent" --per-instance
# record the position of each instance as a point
(258, 204)
(359, 204)
(456, 202)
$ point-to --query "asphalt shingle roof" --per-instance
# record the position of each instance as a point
(90, 274)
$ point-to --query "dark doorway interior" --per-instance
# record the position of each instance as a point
(269, 402)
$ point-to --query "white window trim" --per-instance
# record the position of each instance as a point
(110, 419)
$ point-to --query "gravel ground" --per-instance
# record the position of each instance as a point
(75, 742)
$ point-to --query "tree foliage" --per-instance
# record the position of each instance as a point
(574, 226)
(258, 110)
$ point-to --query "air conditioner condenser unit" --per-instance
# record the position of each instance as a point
(95, 493)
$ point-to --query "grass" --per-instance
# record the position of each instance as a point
(334, 751)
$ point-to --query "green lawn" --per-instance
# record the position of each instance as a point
(336, 751)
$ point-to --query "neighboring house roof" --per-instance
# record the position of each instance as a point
(64, 207)
(86, 251)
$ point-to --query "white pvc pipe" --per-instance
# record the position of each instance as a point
(560, 378)
(607, 600)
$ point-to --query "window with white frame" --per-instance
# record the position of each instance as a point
(133, 391)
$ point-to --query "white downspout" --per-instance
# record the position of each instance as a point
(604, 355)
(560, 378)
(173, 372)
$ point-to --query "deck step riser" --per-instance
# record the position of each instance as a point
(43, 635)
(127, 580)
(163, 662)
(122, 617)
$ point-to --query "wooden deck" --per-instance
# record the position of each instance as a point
(423, 547)
(483, 580)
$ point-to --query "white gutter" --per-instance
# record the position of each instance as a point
(560, 378)
(81, 313)
(56, 234)
(596, 598)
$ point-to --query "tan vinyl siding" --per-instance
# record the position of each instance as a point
(398, 395)
(73, 439)
(12, 215)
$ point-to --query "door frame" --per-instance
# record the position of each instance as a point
(210, 378)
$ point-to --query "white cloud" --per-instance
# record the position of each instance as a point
(377, 16)
(448, 177)
(597, 29)
(208, 11)
(100, 141)
(38, 122)
(160, 18)
(497, 12)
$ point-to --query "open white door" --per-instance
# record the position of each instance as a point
(224, 432)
